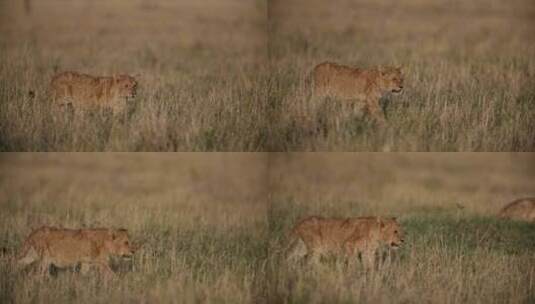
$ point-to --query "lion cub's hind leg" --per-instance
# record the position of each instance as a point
(29, 256)
(315, 254)
(296, 251)
(44, 267)
(375, 111)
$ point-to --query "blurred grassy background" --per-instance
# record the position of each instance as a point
(392, 182)
(469, 73)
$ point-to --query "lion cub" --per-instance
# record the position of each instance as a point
(368, 85)
(69, 247)
(350, 237)
(84, 91)
(521, 209)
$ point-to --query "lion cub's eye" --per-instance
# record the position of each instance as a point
(395, 231)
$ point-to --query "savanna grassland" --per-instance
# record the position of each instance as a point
(200, 66)
(469, 74)
(214, 227)
(455, 251)
(231, 75)
(201, 220)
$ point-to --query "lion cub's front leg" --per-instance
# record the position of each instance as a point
(85, 268)
(373, 107)
(368, 259)
(365, 248)
(105, 269)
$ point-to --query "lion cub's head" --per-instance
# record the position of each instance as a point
(391, 232)
(125, 86)
(119, 243)
(391, 79)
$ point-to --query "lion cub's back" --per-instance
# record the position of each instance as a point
(333, 230)
(74, 86)
(520, 209)
(71, 249)
(331, 79)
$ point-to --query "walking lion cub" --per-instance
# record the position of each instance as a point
(368, 85)
(69, 247)
(316, 236)
(84, 91)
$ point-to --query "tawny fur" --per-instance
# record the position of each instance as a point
(367, 85)
(350, 237)
(85, 92)
(68, 247)
(521, 209)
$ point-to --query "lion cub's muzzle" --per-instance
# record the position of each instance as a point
(398, 89)
(128, 255)
(131, 252)
(396, 245)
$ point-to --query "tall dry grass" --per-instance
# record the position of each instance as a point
(230, 75)
(468, 74)
(201, 71)
(200, 218)
(215, 226)
(456, 250)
